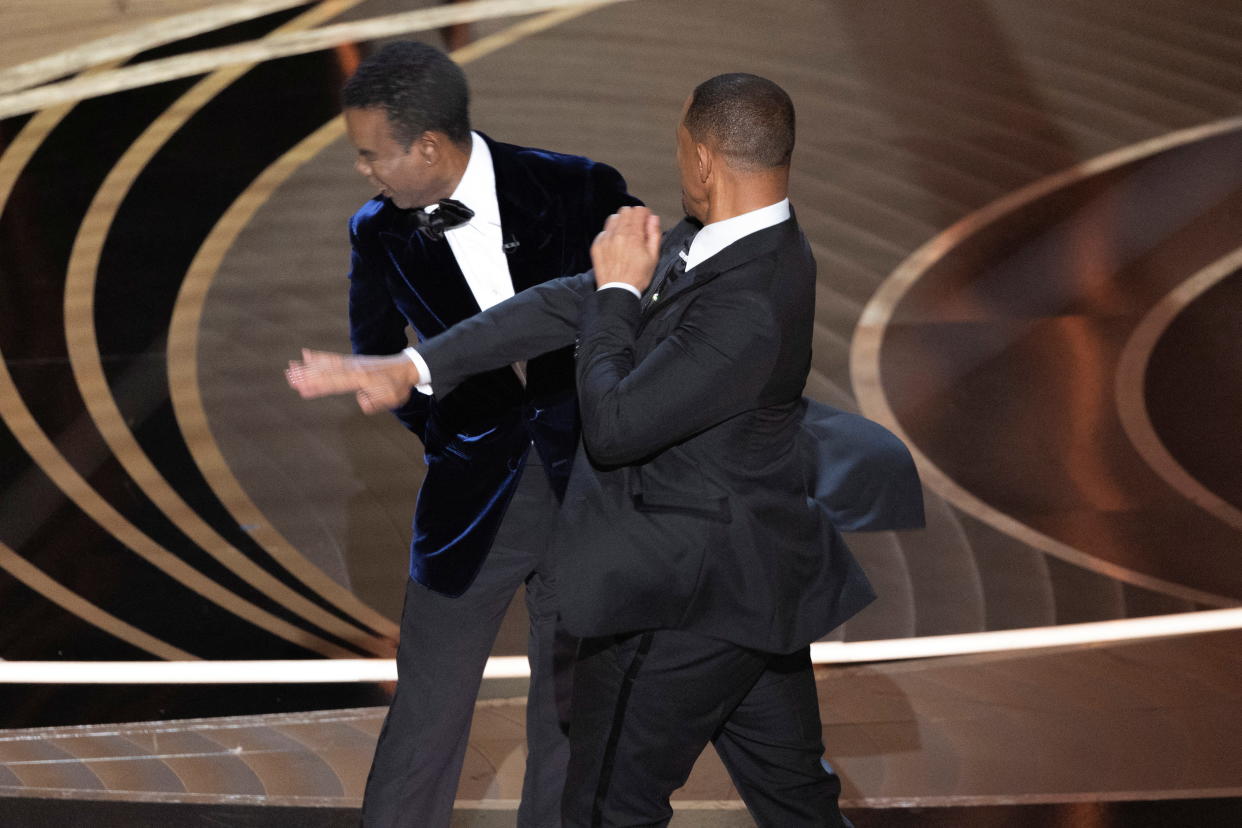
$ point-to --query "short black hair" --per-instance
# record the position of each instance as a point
(747, 118)
(419, 87)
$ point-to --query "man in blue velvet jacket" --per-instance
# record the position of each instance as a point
(461, 223)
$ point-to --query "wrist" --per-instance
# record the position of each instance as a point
(626, 286)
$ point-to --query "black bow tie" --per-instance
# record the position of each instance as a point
(450, 214)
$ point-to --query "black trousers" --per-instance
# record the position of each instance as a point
(444, 646)
(645, 706)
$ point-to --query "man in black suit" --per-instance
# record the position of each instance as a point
(501, 219)
(692, 558)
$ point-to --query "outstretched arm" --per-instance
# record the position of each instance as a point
(535, 321)
(546, 316)
(540, 319)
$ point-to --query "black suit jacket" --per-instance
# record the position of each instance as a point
(476, 439)
(690, 505)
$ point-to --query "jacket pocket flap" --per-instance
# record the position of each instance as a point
(711, 508)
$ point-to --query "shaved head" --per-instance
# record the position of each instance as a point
(747, 119)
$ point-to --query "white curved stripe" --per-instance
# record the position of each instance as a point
(257, 51)
(1131, 381)
(349, 670)
(1029, 638)
(129, 43)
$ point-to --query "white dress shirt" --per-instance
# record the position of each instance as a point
(718, 235)
(477, 245)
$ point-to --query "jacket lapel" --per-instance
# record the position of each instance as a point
(430, 269)
(431, 274)
(739, 253)
(676, 240)
(525, 228)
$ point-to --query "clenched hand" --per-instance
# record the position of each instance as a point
(627, 249)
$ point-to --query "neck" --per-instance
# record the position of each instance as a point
(455, 159)
(741, 193)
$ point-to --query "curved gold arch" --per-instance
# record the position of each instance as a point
(70, 601)
(87, 363)
(35, 442)
(869, 336)
(187, 399)
(32, 439)
(1130, 379)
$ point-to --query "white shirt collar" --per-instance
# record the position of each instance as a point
(477, 188)
(718, 235)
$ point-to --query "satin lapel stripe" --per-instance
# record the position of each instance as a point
(618, 722)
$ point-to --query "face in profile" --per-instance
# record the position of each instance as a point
(403, 174)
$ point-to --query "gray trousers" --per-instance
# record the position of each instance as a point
(444, 646)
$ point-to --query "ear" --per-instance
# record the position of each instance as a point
(428, 148)
(705, 158)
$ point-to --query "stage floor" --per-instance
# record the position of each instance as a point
(1027, 222)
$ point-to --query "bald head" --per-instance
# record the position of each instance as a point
(747, 119)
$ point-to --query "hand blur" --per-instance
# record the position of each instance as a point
(627, 249)
(379, 383)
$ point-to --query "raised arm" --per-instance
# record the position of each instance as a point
(712, 366)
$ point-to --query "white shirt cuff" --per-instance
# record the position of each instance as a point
(638, 294)
(424, 373)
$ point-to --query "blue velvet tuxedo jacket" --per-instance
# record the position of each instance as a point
(476, 439)
(706, 494)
